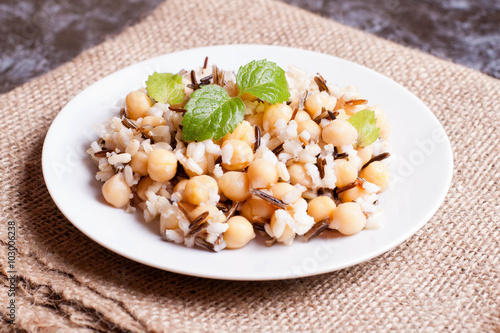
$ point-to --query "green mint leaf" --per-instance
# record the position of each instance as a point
(211, 113)
(165, 87)
(365, 123)
(263, 79)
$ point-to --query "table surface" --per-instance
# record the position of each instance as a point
(39, 35)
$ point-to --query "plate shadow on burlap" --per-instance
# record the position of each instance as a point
(443, 278)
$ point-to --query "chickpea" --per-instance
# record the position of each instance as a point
(299, 175)
(143, 186)
(244, 131)
(365, 154)
(239, 233)
(345, 171)
(257, 208)
(172, 220)
(352, 194)
(317, 101)
(339, 133)
(235, 185)
(153, 121)
(242, 155)
(200, 189)
(376, 173)
(311, 127)
(287, 232)
(181, 188)
(116, 191)
(214, 214)
(282, 192)
(162, 165)
(320, 207)
(348, 218)
(139, 163)
(138, 104)
(248, 97)
(302, 116)
(262, 173)
(385, 129)
(275, 112)
(256, 119)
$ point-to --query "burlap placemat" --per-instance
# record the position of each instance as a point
(446, 277)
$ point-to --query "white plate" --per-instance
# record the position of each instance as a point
(421, 172)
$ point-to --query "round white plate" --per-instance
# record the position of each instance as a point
(421, 172)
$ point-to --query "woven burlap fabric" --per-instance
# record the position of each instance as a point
(444, 278)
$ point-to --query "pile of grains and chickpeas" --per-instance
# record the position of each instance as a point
(288, 169)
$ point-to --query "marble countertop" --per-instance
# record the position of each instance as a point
(38, 35)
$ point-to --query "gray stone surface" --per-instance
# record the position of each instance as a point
(38, 35)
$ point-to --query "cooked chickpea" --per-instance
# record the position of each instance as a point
(352, 194)
(162, 165)
(348, 218)
(200, 189)
(256, 119)
(244, 131)
(383, 124)
(138, 104)
(180, 187)
(153, 121)
(320, 207)
(299, 175)
(339, 133)
(262, 173)
(311, 127)
(116, 191)
(345, 171)
(143, 186)
(280, 191)
(172, 220)
(302, 116)
(257, 208)
(275, 112)
(235, 185)
(239, 233)
(376, 173)
(214, 214)
(242, 155)
(365, 154)
(139, 163)
(287, 232)
(317, 101)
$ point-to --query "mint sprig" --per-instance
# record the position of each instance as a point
(366, 124)
(211, 112)
(265, 80)
(165, 87)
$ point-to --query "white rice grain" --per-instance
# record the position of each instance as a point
(119, 158)
(283, 171)
(133, 147)
(227, 154)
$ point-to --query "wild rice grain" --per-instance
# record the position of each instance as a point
(380, 157)
(257, 138)
(269, 198)
(356, 102)
(316, 229)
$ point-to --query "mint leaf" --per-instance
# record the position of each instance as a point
(365, 123)
(265, 80)
(165, 87)
(211, 113)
